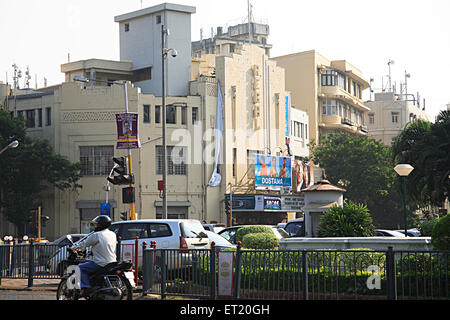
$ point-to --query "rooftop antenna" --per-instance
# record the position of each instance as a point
(250, 33)
(27, 78)
(390, 78)
(17, 76)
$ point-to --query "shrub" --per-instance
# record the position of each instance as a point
(260, 241)
(440, 236)
(251, 229)
(351, 220)
(426, 227)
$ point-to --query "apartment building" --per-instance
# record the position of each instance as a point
(330, 91)
(389, 114)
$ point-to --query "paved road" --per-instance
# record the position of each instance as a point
(27, 295)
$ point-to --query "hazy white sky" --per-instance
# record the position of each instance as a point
(413, 33)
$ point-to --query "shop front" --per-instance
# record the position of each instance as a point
(263, 209)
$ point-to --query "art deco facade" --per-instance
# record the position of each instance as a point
(329, 91)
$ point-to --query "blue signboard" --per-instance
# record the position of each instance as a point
(105, 209)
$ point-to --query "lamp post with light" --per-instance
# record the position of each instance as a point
(164, 52)
(404, 170)
(13, 144)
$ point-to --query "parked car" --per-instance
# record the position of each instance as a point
(57, 263)
(411, 232)
(220, 242)
(388, 233)
(295, 227)
(230, 232)
(167, 233)
(48, 249)
(212, 227)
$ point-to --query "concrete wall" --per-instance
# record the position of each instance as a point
(374, 243)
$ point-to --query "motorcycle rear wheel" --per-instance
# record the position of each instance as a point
(127, 290)
(64, 293)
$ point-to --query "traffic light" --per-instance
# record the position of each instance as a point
(44, 220)
(124, 215)
(121, 169)
(227, 207)
(128, 195)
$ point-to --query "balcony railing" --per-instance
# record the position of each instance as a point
(348, 122)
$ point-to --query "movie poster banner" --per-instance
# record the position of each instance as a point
(127, 131)
(303, 176)
(272, 172)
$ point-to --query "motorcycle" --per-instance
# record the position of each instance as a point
(115, 281)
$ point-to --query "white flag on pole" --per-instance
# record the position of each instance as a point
(216, 177)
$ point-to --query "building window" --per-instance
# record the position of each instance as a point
(96, 160)
(333, 78)
(158, 19)
(157, 114)
(146, 113)
(194, 114)
(171, 114)
(176, 160)
(329, 107)
(48, 116)
(39, 112)
(184, 115)
(127, 27)
(371, 118)
(394, 117)
(30, 118)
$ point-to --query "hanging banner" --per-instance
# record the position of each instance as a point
(272, 172)
(216, 177)
(127, 131)
(225, 279)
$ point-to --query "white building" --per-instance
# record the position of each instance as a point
(140, 42)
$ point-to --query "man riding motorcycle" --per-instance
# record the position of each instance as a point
(103, 243)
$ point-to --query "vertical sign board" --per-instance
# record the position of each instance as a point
(225, 279)
(127, 131)
(105, 209)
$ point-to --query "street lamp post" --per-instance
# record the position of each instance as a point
(404, 170)
(125, 95)
(164, 52)
(13, 144)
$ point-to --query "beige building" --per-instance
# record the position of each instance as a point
(329, 91)
(79, 121)
(390, 113)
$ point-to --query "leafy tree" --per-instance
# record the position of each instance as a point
(364, 167)
(28, 170)
(351, 220)
(426, 147)
(440, 236)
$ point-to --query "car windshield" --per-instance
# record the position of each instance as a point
(282, 233)
(218, 239)
(192, 229)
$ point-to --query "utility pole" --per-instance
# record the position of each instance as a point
(164, 147)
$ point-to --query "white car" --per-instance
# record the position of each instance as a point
(388, 233)
(220, 243)
(167, 233)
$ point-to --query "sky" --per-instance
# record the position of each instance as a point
(415, 34)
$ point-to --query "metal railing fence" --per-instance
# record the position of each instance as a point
(301, 274)
(259, 274)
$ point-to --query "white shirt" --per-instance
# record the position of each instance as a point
(103, 245)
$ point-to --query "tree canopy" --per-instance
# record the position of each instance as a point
(28, 170)
(426, 147)
(364, 167)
